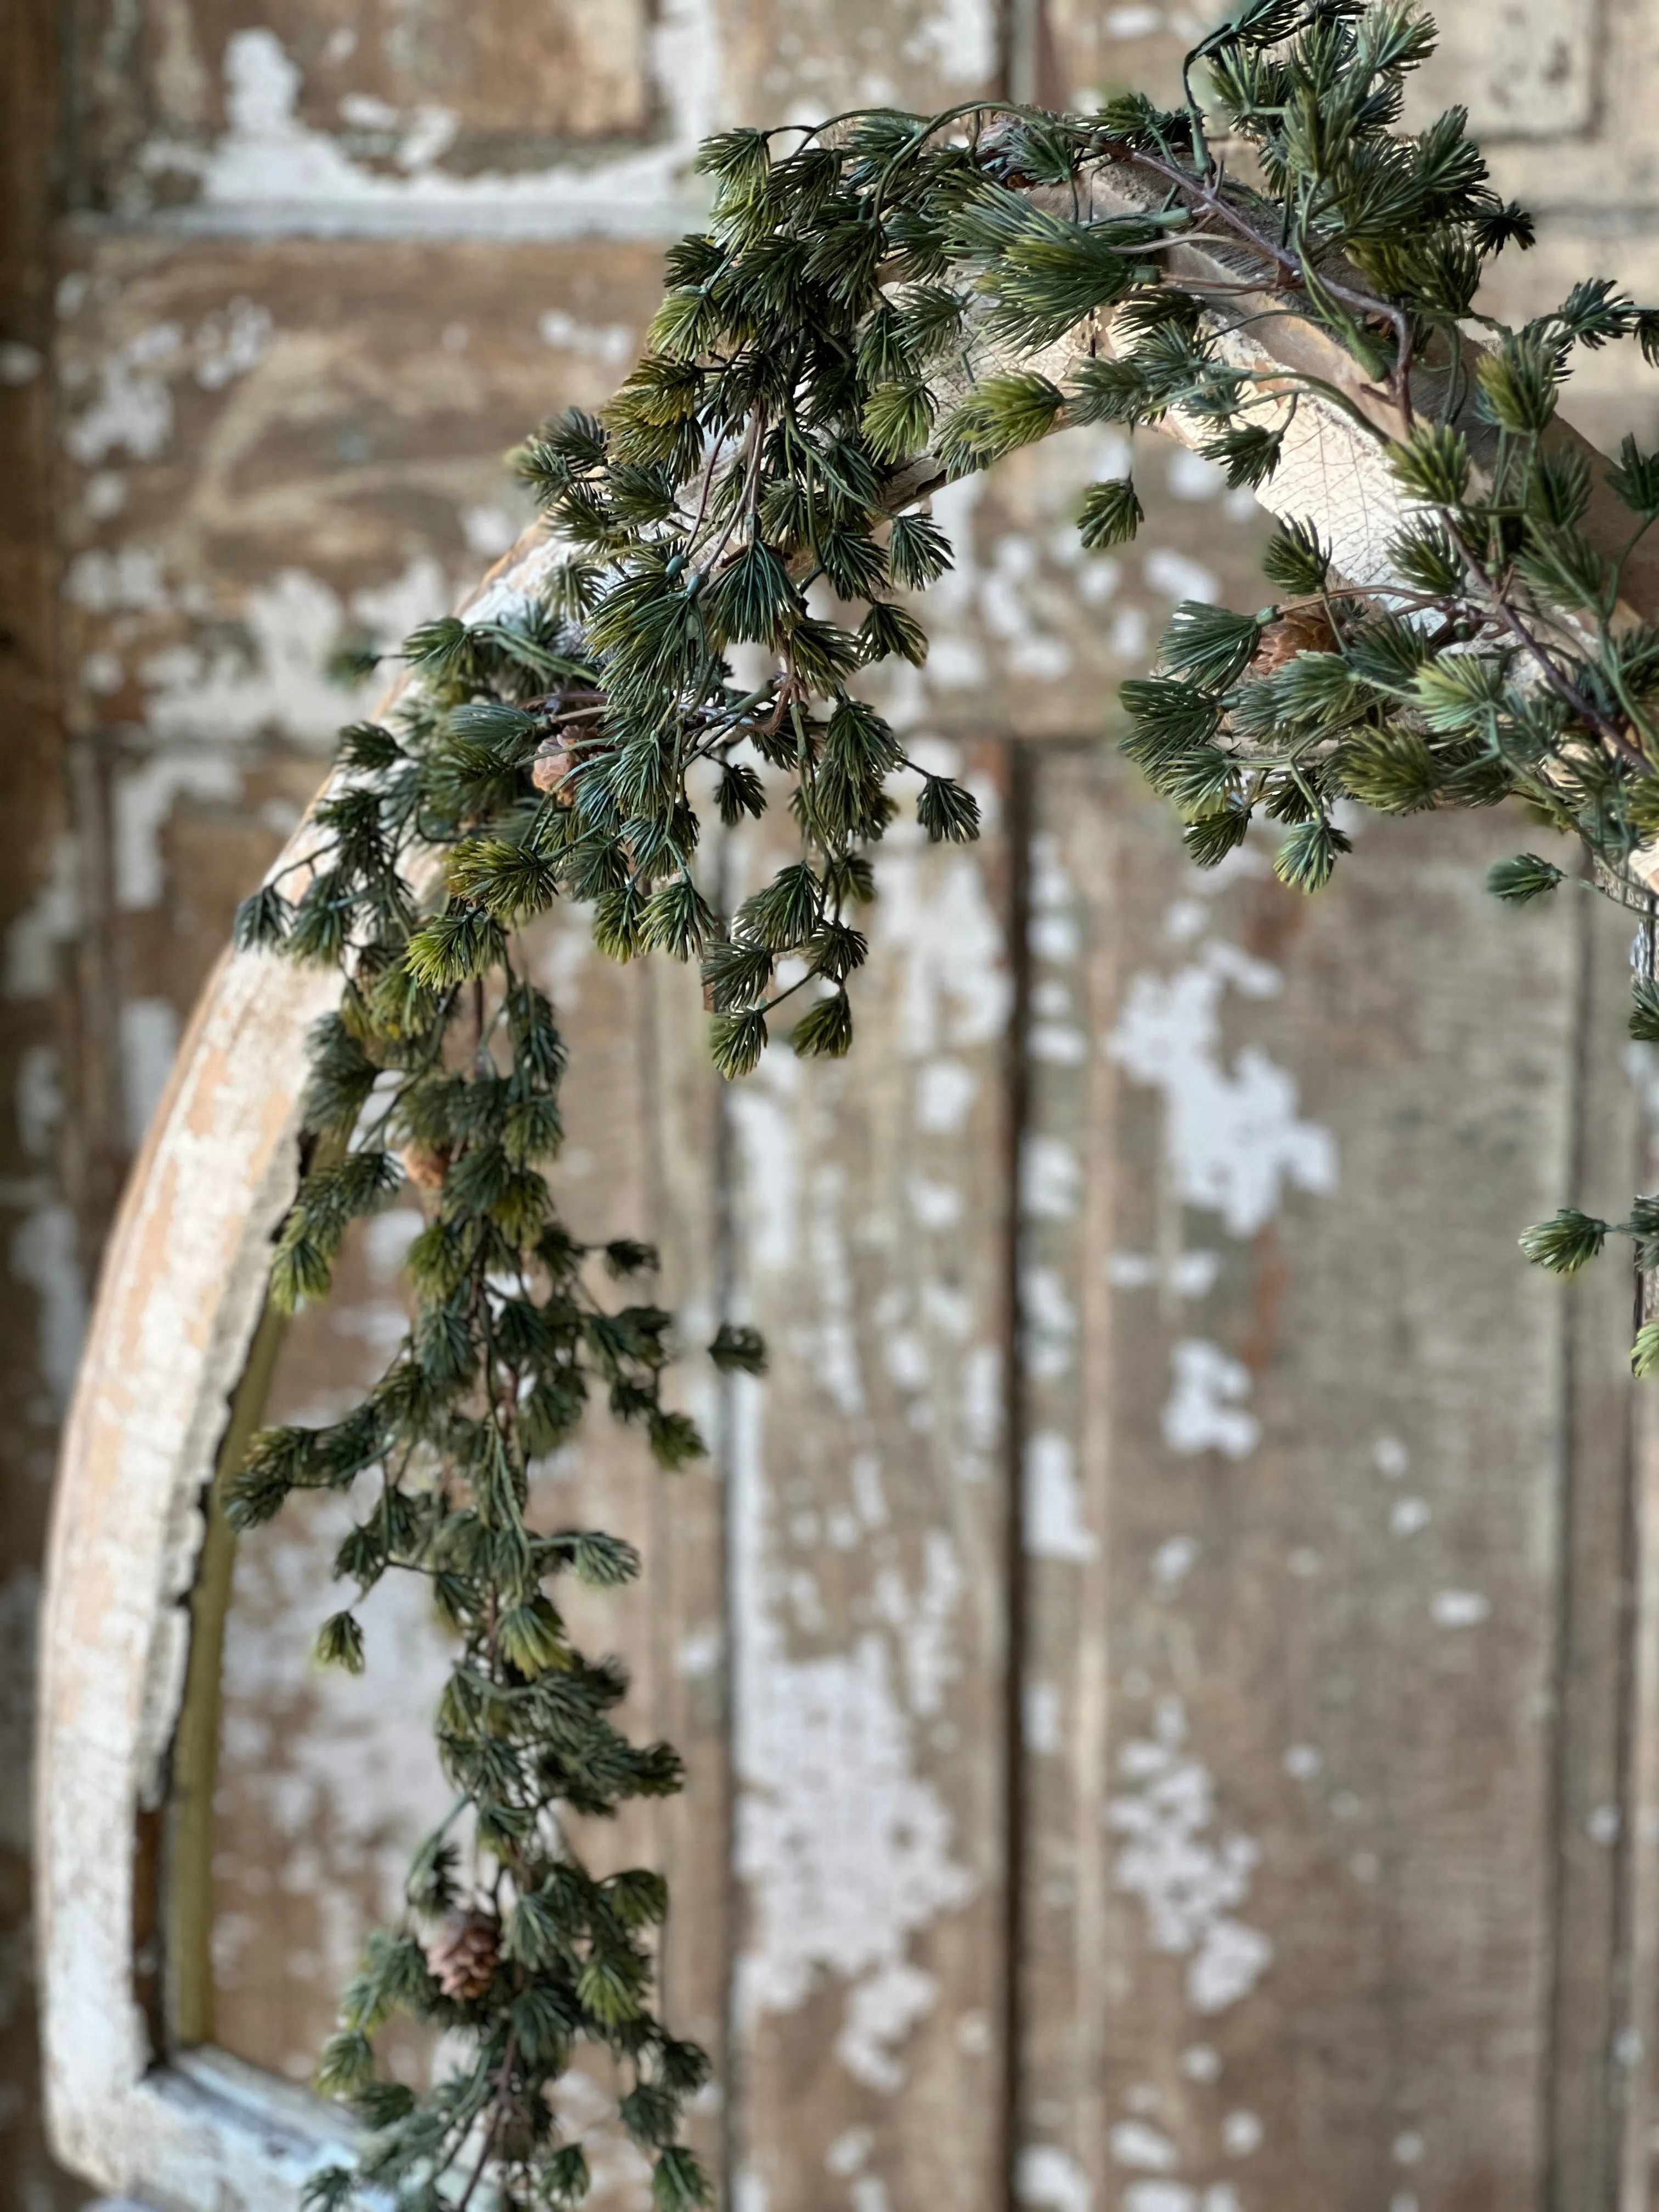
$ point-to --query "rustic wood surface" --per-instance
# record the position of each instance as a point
(281, 389)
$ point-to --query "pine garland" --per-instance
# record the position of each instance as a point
(817, 367)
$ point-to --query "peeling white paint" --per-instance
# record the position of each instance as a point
(1049, 1323)
(149, 1038)
(231, 341)
(1178, 576)
(129, 579)
(1188, 1880)
(619, 2172)
(278, 682)
(144, 796)
(1055, 1528)
(51, 920)
(20, 364)
(847, 1850)
(946, 1091)
(1242, 2135)
(132, 412)
(922, 1624)
(1052, 2179)
(1138, 2143)
(1233, 1138)
(612, 343)
(269, 162)
(958, 39)
(1459, 1608)
(1159, 2196)
(934, 925)
(1189, 1275)
(849, 2151)
(1041, 1728)
(1204, 1411)
(937, 1205)
(1603, 1823)
(356, 1784)
(1050, 1178)
(1173, 1561)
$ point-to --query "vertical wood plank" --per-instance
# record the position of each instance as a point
(868, 1569)
(1293, 1473)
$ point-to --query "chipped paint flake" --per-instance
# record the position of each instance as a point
(1051, 2180)
(276, 682)
(1459, 1608)
(132, 411)
(1188, 1878)
(1055, 1528)
(1138, 2143)
(1233, 1138)
(1205, 1411)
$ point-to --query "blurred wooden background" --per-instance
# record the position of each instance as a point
(1167, 1661)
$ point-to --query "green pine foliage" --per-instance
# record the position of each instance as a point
(760, 481)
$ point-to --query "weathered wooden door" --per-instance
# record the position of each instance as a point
(1166, 1662)
(1164, 1659)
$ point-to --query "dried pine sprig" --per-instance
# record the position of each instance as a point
(760, 480)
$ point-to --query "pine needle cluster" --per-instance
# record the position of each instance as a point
(756, 496)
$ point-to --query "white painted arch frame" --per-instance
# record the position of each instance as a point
(178, 1300)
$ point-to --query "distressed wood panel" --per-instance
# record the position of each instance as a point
(1323, 1721)
(868, 1569)
(808, 59)
(269, 450)
(169, 89)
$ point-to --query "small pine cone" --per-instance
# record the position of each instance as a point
(425, 1165)
(464, 1952)
(1306, 630)
(553, 763)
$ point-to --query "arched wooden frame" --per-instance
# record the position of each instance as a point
(172, 1380)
